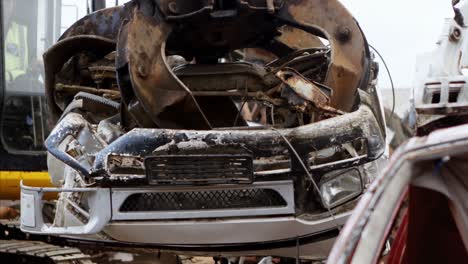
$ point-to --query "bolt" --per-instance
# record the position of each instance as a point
(142, 71)
(80, 30)
(455, 34)
(343, 34)
(173, 7)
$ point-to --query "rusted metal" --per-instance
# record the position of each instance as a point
(101, 72)
(164, 96)
(214, 79)
(303, 87)
(59, 54)
(103, 23)
(154, 83)
(8, 213)
(198, 91)
(225, 93)
(78, 88)
(298, 39)
(331, 20)
(245, 77)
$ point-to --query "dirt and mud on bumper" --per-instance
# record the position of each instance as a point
(170, 158)
(351, 139)
(143, 176)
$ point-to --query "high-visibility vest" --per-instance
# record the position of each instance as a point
(16, 51)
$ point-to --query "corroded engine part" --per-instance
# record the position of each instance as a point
(209, 33)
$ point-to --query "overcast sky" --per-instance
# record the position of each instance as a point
(400, 30)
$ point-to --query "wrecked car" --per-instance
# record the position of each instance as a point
(228, 126)
(416, 210)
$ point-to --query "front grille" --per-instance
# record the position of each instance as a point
(203, 200)
(199, 169)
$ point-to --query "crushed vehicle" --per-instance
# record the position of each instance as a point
(416, 210)
(219, 127)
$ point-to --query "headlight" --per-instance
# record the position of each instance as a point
(338, 188)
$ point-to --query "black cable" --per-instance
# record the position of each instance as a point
(309, 175)
(244, 100)
(298, 253)
(389, 76)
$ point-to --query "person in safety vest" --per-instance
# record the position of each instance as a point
(16, 44)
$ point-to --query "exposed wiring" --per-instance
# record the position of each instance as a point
(244, 101)
(306, 170)
(389, 76)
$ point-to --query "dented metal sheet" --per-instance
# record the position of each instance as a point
(58, 55)
(155, 85)
(349, 59)
(203, 34)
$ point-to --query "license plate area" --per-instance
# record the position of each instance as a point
(199, 169)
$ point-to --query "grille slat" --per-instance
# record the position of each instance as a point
(203, 200)
(199, 169)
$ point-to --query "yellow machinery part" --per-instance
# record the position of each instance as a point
(10, 183)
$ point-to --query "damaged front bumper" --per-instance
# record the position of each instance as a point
(271, 202)
(237, 230)
(339, 133)
(110, 209)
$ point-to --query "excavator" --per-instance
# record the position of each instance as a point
(27, 29)
(211, 127)
(417, 211)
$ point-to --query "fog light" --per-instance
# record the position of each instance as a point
(338, 188)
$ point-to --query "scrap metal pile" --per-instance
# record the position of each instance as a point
(209, 109)
(211, 64)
